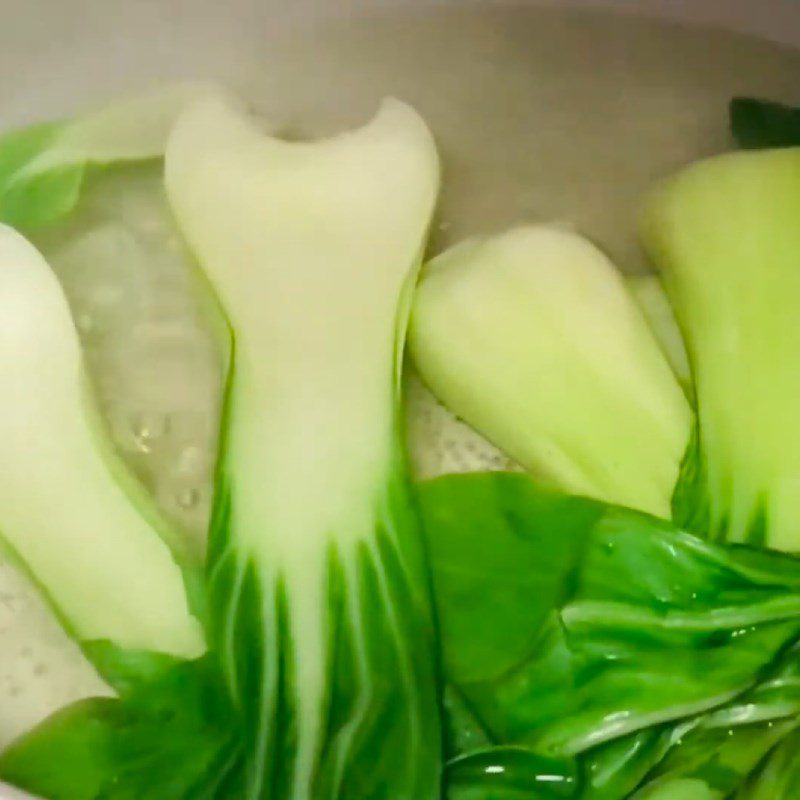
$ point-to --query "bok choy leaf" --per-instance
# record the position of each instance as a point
(638, 646)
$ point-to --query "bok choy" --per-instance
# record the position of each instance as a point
(723, 233)
(68, 513)
(317, 585)
(532, 338)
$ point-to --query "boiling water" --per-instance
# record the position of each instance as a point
(541, 115)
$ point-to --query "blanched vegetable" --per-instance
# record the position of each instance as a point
(68, 512)
(724, 235)
(317, 587)
(532, 338)
(588, 651)
(586, 640)
(566, 623)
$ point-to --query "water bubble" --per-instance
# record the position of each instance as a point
(188, 498)
(147, 428)
(190, 461)
(85, 323)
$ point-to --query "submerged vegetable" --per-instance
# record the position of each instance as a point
(724, 235)
(602, 647)
(69, 514)
(532, 338)
(589, 651)
(316, 581)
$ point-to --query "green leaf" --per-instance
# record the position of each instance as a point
(504, 555)
(778, 778)
(722, 758)
(613, 770)
(463, 732)
(28, 202)
(124, 670)
(680, 789)
(69, 756)
(758, 124)
(719, 749)
(570, 628)
(510, 773)
(171, 737)
(42, 167)
(691, 508)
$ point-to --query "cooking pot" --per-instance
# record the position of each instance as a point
(56, 55)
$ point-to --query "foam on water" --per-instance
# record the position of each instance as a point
(540, 116)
